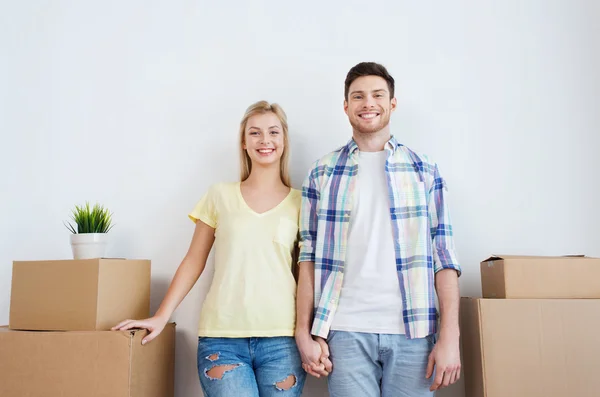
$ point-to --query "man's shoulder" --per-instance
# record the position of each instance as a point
(421, 160)
(327, 161)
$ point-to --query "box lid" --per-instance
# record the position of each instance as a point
(532, 257)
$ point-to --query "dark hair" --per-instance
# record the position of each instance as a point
(368, 69)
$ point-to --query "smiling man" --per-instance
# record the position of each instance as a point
(376, 251)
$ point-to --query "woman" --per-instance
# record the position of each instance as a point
(246, 343)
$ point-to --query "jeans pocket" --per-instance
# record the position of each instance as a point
(330, 335)
(431, 339)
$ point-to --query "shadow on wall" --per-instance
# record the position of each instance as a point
(158, 290)
(315, 387)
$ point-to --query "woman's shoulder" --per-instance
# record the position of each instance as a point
(296, 196)
(223, 188)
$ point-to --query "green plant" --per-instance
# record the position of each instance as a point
(88, 219)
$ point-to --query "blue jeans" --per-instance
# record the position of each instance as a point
(254, 367)
(379, 365)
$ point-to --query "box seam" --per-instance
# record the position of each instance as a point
(12, 288)
(505, 285)
(98, 275)
(481, 344)
(131, 338)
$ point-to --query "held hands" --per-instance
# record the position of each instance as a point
(315, 355)
(445, 356)
(153, 324)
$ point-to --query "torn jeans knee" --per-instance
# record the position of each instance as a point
(287, 383)
(216, 372)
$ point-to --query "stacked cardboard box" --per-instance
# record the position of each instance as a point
(533, 331)
(59, 343)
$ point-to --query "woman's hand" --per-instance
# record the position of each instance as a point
(153, 324)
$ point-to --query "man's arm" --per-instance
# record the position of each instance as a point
(315, 354)
(311, 351)
(305, 298)
(446, 285)
(446, 354)
(306, 256)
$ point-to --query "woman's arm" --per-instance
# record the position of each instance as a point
(187, 274)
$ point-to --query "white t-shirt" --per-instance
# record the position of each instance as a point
(370, 300)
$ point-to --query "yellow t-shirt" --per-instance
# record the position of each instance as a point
(253, 292)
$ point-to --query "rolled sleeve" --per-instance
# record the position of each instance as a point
(308, 219)
(444, 254)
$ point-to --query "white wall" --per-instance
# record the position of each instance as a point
(136, 104)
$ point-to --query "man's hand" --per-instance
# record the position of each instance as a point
(446, 353)
(324, 354)
(445, 357)
(315, 355)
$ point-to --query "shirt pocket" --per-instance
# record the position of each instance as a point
(412, 219)
(413, 194)
(286, 233)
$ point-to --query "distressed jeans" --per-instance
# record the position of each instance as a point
(379, 365)
(250, 367)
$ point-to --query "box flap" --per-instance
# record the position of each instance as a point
(527, 257)
(499, 257)
(472, 347)
(123, 291)
(54, 295)
(66, 364)
(153, 364)
(539, 347)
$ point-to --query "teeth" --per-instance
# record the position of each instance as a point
(368, 115)
(265, 150)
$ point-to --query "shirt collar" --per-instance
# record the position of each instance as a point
(391, 145)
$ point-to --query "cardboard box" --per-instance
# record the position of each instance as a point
(545, 277)
(78, 295)
(530, 347)
(86, 363)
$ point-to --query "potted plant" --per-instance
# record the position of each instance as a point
(89, 236)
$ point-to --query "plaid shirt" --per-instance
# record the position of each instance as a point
(420, 225)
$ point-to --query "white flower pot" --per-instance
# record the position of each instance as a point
(89, 245)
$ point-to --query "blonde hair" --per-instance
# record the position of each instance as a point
(262, 107)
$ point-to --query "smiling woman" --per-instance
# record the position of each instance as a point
(264, 132)
(246, 330)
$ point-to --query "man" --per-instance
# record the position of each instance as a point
(376, 251)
